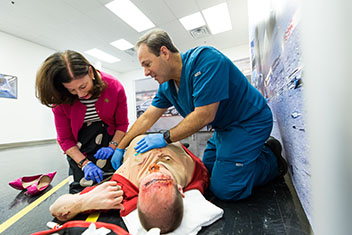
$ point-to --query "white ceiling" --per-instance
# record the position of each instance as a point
(84, 24)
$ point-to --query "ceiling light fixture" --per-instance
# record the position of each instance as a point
(218, 18)
(129, 13)
(122, 44)
(101, 55)
(193, 21)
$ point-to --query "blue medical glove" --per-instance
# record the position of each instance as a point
(117, 157)
(104, 153)
(92, 172)
(150, 141)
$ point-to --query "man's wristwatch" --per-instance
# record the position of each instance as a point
(114, 143)
(166, 136)
(81, 162)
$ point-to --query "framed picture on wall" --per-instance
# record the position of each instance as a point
(8, 86)
(145, 92)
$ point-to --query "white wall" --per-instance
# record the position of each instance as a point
(128, 81)
(23, 119)
(327, 36)
(237, 53)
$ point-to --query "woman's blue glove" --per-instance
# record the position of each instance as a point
(92, 172)
(117, 157)
(150, 141)
(104, 153)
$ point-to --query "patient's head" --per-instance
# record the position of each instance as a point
(160, 203)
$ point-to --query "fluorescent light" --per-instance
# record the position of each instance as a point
(122, 44)
(129, 13)
(101, 55)
(192, 21)
(218, 18)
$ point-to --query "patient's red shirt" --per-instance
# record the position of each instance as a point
(200, 181)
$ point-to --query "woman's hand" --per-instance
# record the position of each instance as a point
(104, 153)
(92, 172)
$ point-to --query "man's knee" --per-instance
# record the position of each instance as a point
(209, 165)
(208, 159)
(230, 192)
(231, 182)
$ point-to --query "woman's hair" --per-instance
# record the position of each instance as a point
(155, 39)
(167, 217)
(63, 67)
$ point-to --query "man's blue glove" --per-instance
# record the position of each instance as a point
(92, 172)
(150, 141)
(117, 157)
(104, 153)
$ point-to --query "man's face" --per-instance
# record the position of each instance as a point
(171, 158)
(155, 66)
(159, 179)
(159, 202)
(159, 185)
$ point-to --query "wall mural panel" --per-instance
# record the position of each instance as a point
(277, 72)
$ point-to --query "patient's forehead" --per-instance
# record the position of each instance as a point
(164, 153)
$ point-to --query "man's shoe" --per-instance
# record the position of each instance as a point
(276, 148)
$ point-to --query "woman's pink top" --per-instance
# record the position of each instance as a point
(111, 108)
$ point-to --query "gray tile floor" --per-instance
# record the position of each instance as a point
(26, 161)
(272, 209)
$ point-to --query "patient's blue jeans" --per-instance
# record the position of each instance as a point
(238, 160)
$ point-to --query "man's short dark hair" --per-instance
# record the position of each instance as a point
(155, 39)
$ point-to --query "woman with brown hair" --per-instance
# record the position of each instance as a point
(90, 111)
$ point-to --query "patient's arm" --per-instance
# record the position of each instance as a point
(105, 196)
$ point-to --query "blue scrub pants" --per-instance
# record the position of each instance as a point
(237, 158)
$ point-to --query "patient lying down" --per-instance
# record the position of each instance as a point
(153, 180)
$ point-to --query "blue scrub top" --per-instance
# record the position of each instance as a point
(207, 77)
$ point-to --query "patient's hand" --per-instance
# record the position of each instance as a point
(65, 207)
(104, 196)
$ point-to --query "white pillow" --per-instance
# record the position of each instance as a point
(198, 212)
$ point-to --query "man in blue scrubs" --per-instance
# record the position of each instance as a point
(206, 88)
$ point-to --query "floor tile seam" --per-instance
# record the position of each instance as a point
(281, 216)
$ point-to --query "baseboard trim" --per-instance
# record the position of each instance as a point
(26, 144)
(297, 202)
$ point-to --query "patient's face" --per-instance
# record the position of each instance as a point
(159, 185)
(159, 179)
(171, 161)
(160, 204)
(173, 157)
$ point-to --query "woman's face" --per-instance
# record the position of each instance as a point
(81, 86)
